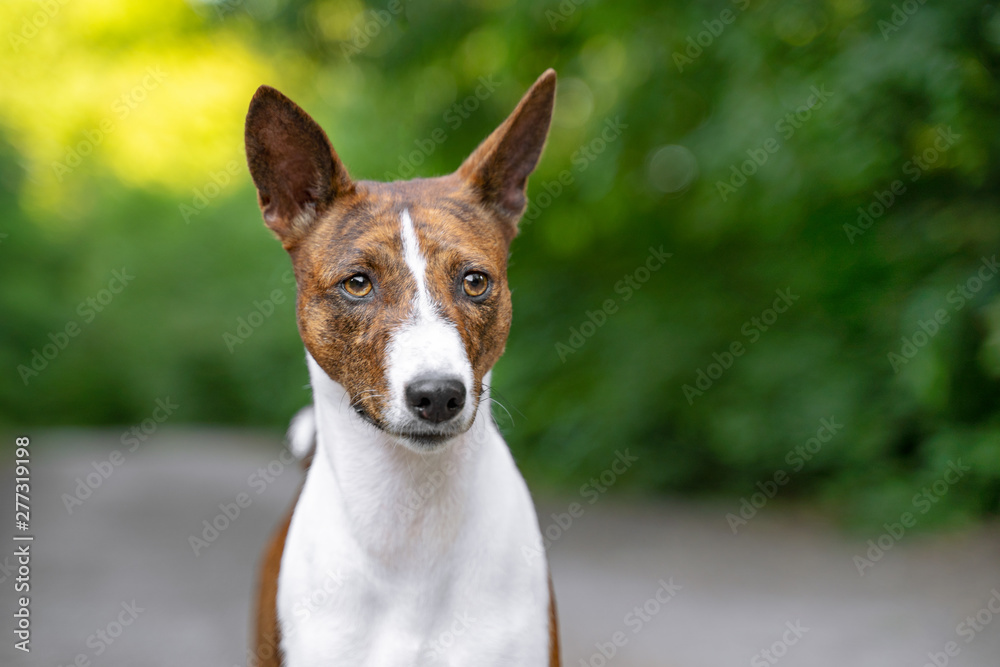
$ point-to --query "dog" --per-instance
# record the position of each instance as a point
(407, 542)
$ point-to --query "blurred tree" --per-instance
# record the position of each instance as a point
(821, 174)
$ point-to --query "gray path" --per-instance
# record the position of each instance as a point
(129, 542)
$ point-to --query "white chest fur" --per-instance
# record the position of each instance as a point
(400, 559)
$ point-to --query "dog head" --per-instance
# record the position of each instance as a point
(402, 287)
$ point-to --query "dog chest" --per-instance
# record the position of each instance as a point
(479, 602)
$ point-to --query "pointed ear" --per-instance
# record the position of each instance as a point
(293, 165)
(498, 169)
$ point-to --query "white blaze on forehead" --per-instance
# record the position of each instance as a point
(416, 262)
(426, 344)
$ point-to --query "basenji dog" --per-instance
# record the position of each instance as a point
(406, 543)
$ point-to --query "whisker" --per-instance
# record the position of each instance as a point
(493, 391)
(364, 393)
(510, 416)
(497, 401)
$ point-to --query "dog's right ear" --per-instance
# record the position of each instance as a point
(293, 165)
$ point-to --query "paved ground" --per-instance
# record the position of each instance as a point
(128, 544)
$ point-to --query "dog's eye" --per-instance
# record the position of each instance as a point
(357, 285)
(475, 283)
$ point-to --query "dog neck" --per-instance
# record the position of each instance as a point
(399, 506)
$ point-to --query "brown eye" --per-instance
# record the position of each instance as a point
(475, 283)
(358, 285)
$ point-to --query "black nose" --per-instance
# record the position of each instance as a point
(435, 399)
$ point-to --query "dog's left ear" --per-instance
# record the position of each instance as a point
(498, 169)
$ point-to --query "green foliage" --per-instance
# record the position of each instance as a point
(881, 96)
